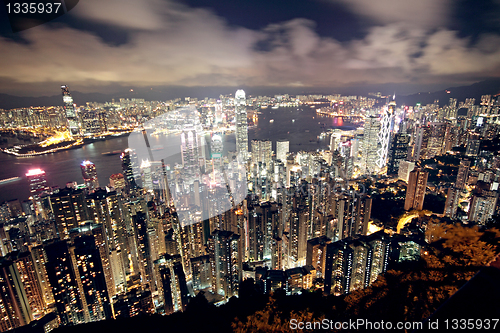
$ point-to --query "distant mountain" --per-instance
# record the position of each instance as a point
(488, 87)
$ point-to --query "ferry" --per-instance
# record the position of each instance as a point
(9, 180)
(114, 152)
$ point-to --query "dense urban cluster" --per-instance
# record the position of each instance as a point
(162, 229)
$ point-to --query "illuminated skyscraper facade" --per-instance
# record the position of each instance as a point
(241, 124)
(384, 135)
(37, 181)
(89, 174)
(129, 163)
(370, 145)
(69, 108)
(415, 191)
(282, 149)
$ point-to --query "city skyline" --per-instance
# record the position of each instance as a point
(309, 201)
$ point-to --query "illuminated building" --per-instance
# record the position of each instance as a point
(89, 271)
(39, 260)
(316, 253)
(67, 295)
(129, 164)
(241, 125)
(405, 167)
(398, 152)
(26, 268)
(37, 181)
(171, 282)
(89, 174)
(282, 150)
(415, 191)
(352, 214)
(201, 272)
(463, 174)
(15, 309)
(225, 259)
(384, 135)
(190, 149)
(370, 145)
(262, 152)
(69, 209)
(147, 178)
(117, 182)
(482, 206)
(69, 108)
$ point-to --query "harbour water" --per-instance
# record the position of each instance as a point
(301, 126)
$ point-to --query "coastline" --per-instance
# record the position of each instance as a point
(51, 149)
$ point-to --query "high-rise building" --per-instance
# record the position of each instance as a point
(69, 209)
(370, 145)
(241, 125)
(405, 167)
(463, 174)
(384, 135)
(415, 191)
(398, 152)
(282, 150)
(482, 206)
(69, 108)
(201, 272)
(129, 164)
(67, 294)
(226, 260)
(27, 272)
(89, 174)
(117, 182)
(473, 145)
(15, 309)
(262, 152)
(171, 282)
(37, 181)
(190, 151)
(92, 284)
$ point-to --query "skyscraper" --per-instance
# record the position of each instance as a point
(89, 174)
(67, 295)
(282, 149)
(370, 145)
(225, 258)
(129, 163)
(262, 152)
(415, 191)
(14, 305)
(69, 108)
(190, 152)
(384, 135)
(37, 181)
(398, 152)
(241, 125)
(69, 209)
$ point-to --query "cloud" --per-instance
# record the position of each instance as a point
(423, 13)
(172, 44)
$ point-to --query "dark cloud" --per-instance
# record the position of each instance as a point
(169, 43)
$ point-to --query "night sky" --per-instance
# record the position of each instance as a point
(102, 45)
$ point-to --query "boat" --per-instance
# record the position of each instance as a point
(114, 152)
(275, 107)
(293, 120)
(271, 121)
